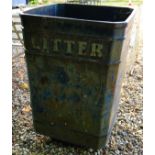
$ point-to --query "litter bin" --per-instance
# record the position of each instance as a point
(75, 57)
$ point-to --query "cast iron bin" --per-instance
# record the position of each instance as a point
(75, 57)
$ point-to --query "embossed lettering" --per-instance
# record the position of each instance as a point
(82, 47)
(69, 45)
(56, 45)
(45, 44)
(96, 50)
(36, 43)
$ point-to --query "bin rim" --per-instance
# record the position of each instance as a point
(117, 24)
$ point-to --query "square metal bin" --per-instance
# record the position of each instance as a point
(75, 57)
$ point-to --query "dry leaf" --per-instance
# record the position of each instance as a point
(26, 109)
(24, 86)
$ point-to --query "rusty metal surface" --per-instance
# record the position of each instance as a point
(75, 70)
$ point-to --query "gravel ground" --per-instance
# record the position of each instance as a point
(127, 134)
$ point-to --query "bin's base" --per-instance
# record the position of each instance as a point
(71, 136)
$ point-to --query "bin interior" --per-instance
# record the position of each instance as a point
(87, 12)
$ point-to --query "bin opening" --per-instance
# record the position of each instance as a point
(87, 12)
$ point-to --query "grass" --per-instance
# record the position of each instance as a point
(106, 2)
(122, 2)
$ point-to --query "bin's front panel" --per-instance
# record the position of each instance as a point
(67, 74)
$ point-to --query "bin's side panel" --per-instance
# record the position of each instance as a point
(114, 79)
(67, 75)
(134, 40)
(119, 52)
